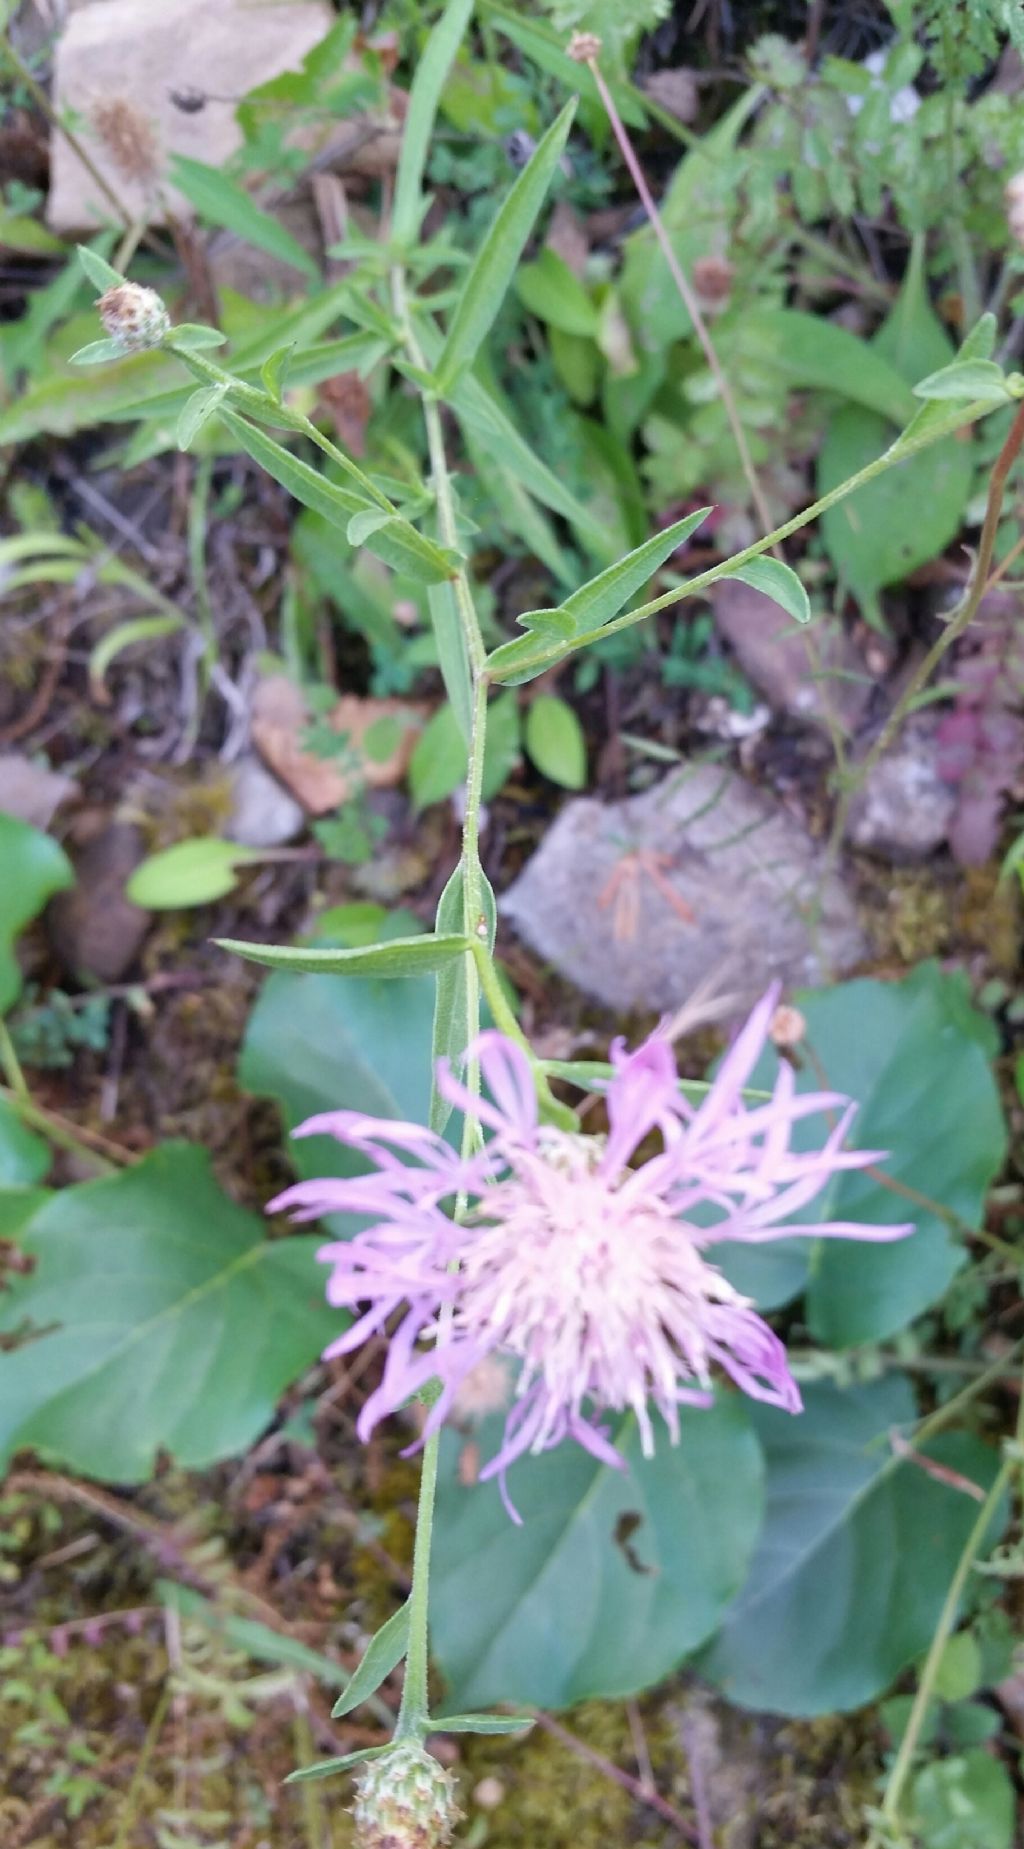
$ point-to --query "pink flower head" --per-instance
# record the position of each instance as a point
(593, 1280)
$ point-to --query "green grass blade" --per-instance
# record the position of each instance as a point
(424, 97)
(485, 287)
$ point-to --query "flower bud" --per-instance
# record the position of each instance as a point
(787, 1027)
(584, 47)
(404, 1800)
(1014, 197)
(135, 318)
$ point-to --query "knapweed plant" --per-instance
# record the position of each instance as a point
(568, 1277)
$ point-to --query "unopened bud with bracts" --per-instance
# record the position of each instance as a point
(135, 318)
(405, 1800)
(584, 47)
(1014, 197)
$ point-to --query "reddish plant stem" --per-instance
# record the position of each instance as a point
(686, 293)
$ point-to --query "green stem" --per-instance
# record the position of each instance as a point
(415, 1708)
(897, 452)
(262, 405)
(947, 1619)
(61, 1134)
(414, 1712)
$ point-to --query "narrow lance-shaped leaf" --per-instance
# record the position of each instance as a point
(225, 203)
(968, 379)
(400, 956)
(122, 636)
(328, 1768)
(428, 83)
(101, 274)
(484, 1723)
(383, 1653)
(777, 581)
(483, 290)
(398, 544)
(594, 604)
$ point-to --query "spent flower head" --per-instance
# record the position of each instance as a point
(592, 1280)
(134, 317)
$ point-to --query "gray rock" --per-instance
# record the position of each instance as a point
(118, 63)
(30, 791)
(263, 812)
(807, 674)
(701, 877)
(903, 810)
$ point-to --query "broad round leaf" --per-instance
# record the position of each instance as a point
(169, 1322)
(316, 1044)
(614, 1577)
(855, 1558)
(32, 869)
(915, 1056)
(189, 873)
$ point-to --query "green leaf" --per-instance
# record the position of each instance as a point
(431, 70)
(908, 515)
(855, 1557)
(554, 739)
(398, 544)
(550, 290)
(193, 337)
(274, 371)
(890, 1046)
(812, 353)
(97, 353)
(257, 1640)
(546, 49)
(227, 204)
(402, 956)
(452, 653)
(594, 604)
(902, 519)
(383, 1653)
(316, 1044)
(482, 291)
(779, 582)
(328, 1768)
(966, 1801)
(614, 1577)
(24, 1157)
(483, 1723)
(17, 1207)
(101, 274)
(968, 379)
(189, 873)
(197, 411)
(124, 635)
(172, 1323)
(33, 868)
(439, 760)
(451, 1008)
